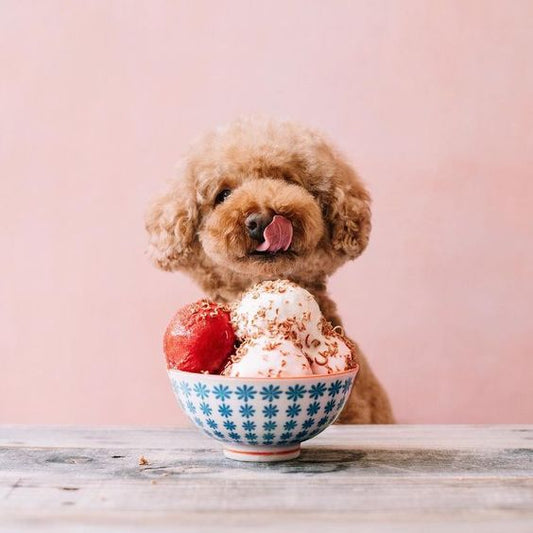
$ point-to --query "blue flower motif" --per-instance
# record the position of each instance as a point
(190, 407)
(335, 388)
(250, 436)
(175, 387)
(269, 426)
(308, 423)
(249, 425)
(221, 392)
(229, 425)
(323, 421)
(271, 393)
(316, 391)
(225, 410)
(185, 388)
(313, 408)
(218, 434)
(246, 392)
(329, 406)
(295, 392)
(286, 436)
(346, 386)
(201, 390)
(234, 436)
(268, 437)
(301, 434)
(198, 422)
(246, 410)
(270, 410)
(289, 425)
(293, 410)
(312, 433)
(211, 423)
(206, 409)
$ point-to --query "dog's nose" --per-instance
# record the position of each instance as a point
(256, 224)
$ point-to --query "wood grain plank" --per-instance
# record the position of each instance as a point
(260, 523)
(264, 523)
(397, 478)
(402, 436)
(338, 463)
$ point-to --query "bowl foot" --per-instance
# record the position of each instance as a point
(261, 454)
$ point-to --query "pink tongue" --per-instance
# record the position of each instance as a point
(277, 235)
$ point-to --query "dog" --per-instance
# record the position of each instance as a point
(231, 184)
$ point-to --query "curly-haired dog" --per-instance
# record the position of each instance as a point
(232, 183)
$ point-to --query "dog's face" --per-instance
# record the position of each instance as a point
(241, 209)
(263, 199)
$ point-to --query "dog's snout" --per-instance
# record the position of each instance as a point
(256, 224)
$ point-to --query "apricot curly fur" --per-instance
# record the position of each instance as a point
(270, 166)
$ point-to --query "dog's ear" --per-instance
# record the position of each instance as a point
(171, 223)
(347, 212)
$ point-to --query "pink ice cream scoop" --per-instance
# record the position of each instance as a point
(277, 235)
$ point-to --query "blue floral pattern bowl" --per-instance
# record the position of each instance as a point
(262, 419)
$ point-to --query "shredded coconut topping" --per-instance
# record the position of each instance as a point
(283, 333)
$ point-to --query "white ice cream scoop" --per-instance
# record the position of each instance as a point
(277, 308)
(283, 333)
(332, 355)
(268, 357)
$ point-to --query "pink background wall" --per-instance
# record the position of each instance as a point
(433, 101)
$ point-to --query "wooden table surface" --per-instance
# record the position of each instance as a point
(350, 478)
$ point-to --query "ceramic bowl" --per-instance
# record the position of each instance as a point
(262, 419)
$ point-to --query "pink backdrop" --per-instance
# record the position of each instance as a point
(431, 100)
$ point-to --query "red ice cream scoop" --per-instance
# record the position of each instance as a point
(199, 338)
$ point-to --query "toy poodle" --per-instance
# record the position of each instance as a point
(232, 183)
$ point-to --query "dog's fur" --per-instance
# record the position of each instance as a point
(271, 167)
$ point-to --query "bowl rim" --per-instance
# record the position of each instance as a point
(353, 371)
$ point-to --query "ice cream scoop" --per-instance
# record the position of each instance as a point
(333, 354)
(280, 324)
(268, 357)
(199, 338)
(277, 308)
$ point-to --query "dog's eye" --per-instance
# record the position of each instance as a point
(222, 195)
